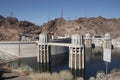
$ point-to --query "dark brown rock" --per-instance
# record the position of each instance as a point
(12, 20)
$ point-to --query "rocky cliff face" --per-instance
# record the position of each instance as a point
(94, 26)
(11, 28)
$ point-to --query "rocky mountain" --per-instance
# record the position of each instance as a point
(94, 26)
(12, 29)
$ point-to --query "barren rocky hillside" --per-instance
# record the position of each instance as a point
(94, 26)
(12, 29)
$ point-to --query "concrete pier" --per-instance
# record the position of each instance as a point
(76, 53)
(43, 49)
(88, 41)
(43, 53)
(107, 41)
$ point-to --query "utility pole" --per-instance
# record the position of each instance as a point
(62, 15)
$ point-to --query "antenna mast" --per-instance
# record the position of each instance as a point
(62, 12)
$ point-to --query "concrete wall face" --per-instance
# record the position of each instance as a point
(58, 50)
(19, 50)
(10, 48)
(28, 50)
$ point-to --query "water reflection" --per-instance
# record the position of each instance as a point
(93, 54)
(77, 73)
(57, 62)
(93, 63)
(93, 60)
(43, 67)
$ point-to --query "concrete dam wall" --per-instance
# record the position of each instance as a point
(19, 49)
(24, 49)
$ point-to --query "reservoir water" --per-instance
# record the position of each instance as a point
(93, 62)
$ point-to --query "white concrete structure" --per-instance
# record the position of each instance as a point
(107, 41)
(76, 50)
(116, 42)
(77, 39)
(43, 39)
(76, 53)
(43, 49)
(20, 49)
(88, 40)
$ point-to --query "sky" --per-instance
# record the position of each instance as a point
(40, 11)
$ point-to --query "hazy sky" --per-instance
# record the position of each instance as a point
(40, 11)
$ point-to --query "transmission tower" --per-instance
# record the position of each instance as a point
(62, 12)
(11, 14)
